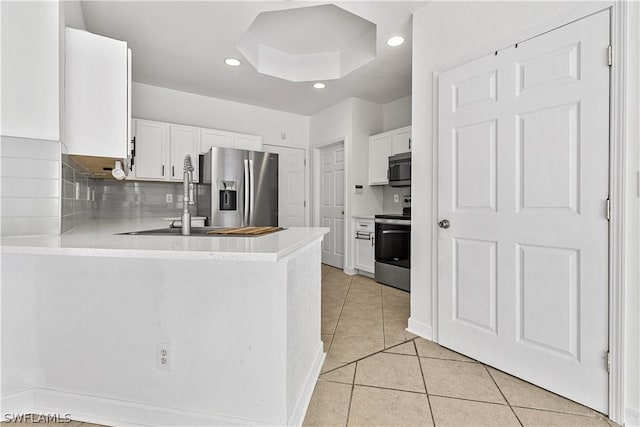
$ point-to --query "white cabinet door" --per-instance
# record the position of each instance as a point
(379, 152)
(401, 141)
(96, 95)
(183, 140)
(523, 179)
(149, 162)
(364, 245)
(214, 138)
(247, 142)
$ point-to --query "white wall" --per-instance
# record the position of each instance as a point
(168, 105)
(30, 69)
(442, 33)
(396, 114)
(353, 121)
(31, 114)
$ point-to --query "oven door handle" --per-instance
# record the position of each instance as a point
(396, 231)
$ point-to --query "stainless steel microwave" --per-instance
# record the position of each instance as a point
(400, 170)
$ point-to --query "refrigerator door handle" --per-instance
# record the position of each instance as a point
(252, 195)
(246, 191)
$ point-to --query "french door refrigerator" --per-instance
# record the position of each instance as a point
(238, 188)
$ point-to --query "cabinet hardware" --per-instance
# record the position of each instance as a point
(409, 143)
(162, 170)
(173, 171)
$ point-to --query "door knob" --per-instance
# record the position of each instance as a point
(444, 223)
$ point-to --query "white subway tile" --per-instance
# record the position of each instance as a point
(29, 207)
(29, 148)
(29, 168)
(30, 226)
(27, 187)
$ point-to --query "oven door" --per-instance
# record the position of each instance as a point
(393, 244)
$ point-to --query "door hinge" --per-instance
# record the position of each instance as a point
(608, 361)
(305, 162)
(610, 55)
(608, 209)
(304, 204)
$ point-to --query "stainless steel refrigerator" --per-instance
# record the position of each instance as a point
(238, 188)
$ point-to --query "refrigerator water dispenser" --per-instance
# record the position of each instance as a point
(228, 196)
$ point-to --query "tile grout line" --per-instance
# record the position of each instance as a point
(575, 414)
(353, 386)
(424, 381)
(502, 394)
(369, 355)
(389, 388)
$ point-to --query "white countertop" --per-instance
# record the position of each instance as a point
(98, 238)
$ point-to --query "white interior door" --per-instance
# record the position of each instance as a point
(523, 158)
(291, 185)
(332, 204)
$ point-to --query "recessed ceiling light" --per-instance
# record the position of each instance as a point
(319, 85)
(232, 62)
(395, 41)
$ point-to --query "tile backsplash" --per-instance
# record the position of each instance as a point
(388, 203)
(138, 199)
(78, 195)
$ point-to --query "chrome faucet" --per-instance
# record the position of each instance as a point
(187, 196)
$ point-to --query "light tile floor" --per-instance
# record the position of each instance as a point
(377, 374)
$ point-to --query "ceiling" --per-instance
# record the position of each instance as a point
(182, 45)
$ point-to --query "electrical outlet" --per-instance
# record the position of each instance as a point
(169, 198)
(396, 198)
(164, 356)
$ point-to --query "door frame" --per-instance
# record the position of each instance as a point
(315, 162)
(307, 219)
(623, 180)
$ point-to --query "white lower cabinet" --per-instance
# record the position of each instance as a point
(365, 244)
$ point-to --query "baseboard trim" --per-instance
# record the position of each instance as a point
(17, 403)
(631, 417)
(350, 271)
(100, 410)
(421, 329)
(296, 418)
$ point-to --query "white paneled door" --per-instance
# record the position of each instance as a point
(291, 185)
(523, 157)
(332, 204)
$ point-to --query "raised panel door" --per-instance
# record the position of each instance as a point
(523, 156)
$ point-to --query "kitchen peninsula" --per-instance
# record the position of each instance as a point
(90, 315)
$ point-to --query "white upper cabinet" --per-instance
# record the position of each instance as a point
(96, 93)
(219, 138)
(150, 142)
(379, 152)
(247, 142)
(383, 145)
(183, 140)
(401, 140)
(160, 148)
(214, 138)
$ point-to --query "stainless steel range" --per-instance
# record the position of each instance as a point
(393, 250)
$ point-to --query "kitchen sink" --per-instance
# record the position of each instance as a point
(195, 231)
